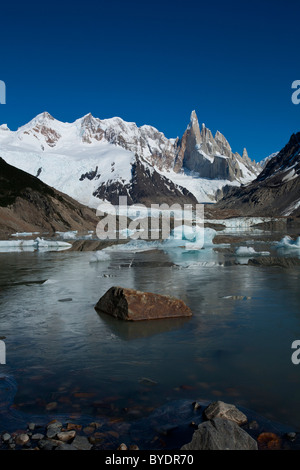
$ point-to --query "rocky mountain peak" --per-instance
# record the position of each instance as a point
(245, 154)
(43, 128)
(211, 157)
(90, 129)
(288, 159)
(193, 119)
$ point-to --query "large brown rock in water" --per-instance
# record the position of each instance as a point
(133, 305)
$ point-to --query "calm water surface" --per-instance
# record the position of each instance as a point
(59, 349)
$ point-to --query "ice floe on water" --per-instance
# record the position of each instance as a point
(288, 243)
(100, 256)
(184, 242)
(245, 253)
(52, 243)
(190, 237)
(249, 251)
(183, 237)
(32, 245)
(71, 235)
(24, 234)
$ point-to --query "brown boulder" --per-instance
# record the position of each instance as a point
(133, 305)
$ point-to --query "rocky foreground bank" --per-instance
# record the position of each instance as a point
(218, 426)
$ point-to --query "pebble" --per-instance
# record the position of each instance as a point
(73, 426)
(22, 439)
(196, 405)
(66, 436)
(6, 437)
(53, 429)
(122, 447)
(37, 436)
(51, 406)
(46, 445)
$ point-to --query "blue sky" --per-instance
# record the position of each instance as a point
(154, 62)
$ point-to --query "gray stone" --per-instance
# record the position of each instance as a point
(219, 409)
(82, 443)
(37, 436)
(31, 426)
(48, 444)
(22, 439)
(66, 436)
(53, 429)
(6, 437)
(220, 434)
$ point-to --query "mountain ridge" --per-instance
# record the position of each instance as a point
(276, 190)
(90, 156)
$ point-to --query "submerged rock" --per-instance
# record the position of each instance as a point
(220, 434)
(281, 262)
(133, 305)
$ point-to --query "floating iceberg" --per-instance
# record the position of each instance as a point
(71, 235)
(248, 251)
(190, 237)
(16, 243)
(53, 243)
(99, 256)
(288, 243)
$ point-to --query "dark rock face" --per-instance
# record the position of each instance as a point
(147, 187)
(90, 175)
(275, 192)
(220, 434)
(28, 204)
(132, 305)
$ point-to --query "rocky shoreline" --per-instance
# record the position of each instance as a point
(217, 426)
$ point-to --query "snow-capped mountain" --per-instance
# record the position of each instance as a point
(276, 191)
(266, 160)
(92, 159)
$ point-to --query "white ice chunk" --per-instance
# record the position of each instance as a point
(99, 256)
(192, 238)
(288, 243)
(42, 243)
(249, 251)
